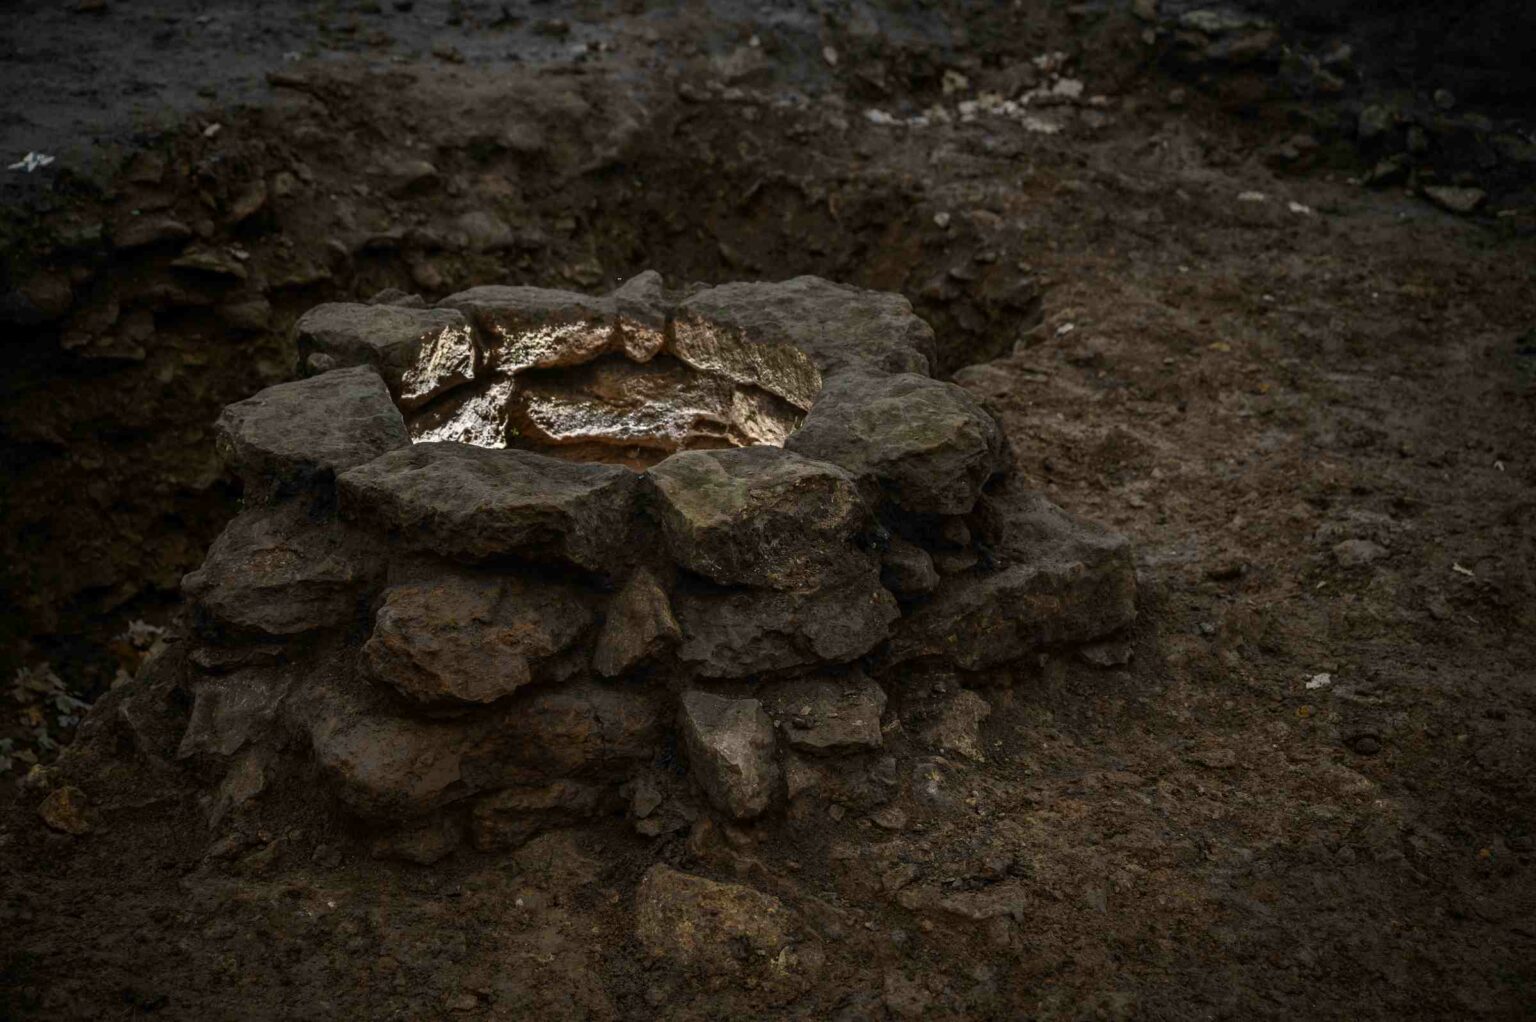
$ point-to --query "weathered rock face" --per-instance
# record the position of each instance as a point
(279, 572)
(472, 639)
(297, 434)
(461, 637)
(761, 516)
(420, 353)
(476, 504)
(730, 751)
(927, 445)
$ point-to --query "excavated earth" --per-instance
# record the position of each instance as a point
(513, 645)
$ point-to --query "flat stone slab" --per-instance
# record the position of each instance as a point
(274, 572)
(475, 504)
(760, 516)
(420, 353)
(730, 751)
(537, 328)
(784, 337)
(927, 445)
(304, 433)
(1063, 580)
(470, 638)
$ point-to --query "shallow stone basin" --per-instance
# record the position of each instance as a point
(503, 556)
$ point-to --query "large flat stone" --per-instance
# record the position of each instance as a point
(927, 445)
(274, 571)
(761, 516)
(582, 729)
(420, 353)
(740, 633)
(304, 433)
(786, 337)
(472, 638)
(1061, 580)
(475, 504)
(730, 751)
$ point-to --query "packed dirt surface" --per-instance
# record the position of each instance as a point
(1276, 330)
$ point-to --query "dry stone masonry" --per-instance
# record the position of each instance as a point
(529, 557)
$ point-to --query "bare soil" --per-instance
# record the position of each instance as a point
(1310, 792)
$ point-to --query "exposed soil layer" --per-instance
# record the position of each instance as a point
(1307, 793)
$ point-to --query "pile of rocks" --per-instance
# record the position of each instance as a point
(468, 635)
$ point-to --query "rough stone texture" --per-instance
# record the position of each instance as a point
(828, 715)
(295, 434)
(579, 729)
(472, 639)
(760, 516)
(382, 766)
(730, 751)
(480, 414)
(643, 309)
(742, 633)
(420, 353)
(230, 712)
(274, 571)
(475, 504)
(639, 624)
(956, 728)
(701, 923)
(928, 445)
(907, 570)
(533, 328)
(1063, 580)
(755, 331)
(511, 817)
(662, 404)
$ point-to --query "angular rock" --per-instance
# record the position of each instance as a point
(760, 516)
(1456, 200)
(642, 308)
(304, 433)
(638, 626)
(927, 445)
(421, 353)
(475, 504)
(274, 571)
(785, 337)
(537, 328)
(140, 231)
(730, 751)
(231, 712)
(1062, 580)
(472, 639)
(742, 633)
(828, 715)
(701, 923)
(513, 816)
(956, 728)
(907, 570)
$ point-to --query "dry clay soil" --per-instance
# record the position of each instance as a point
(1309, 794)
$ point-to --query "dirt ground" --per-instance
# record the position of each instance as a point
(1310, 404)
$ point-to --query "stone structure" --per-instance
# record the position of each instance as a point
(529, 556)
